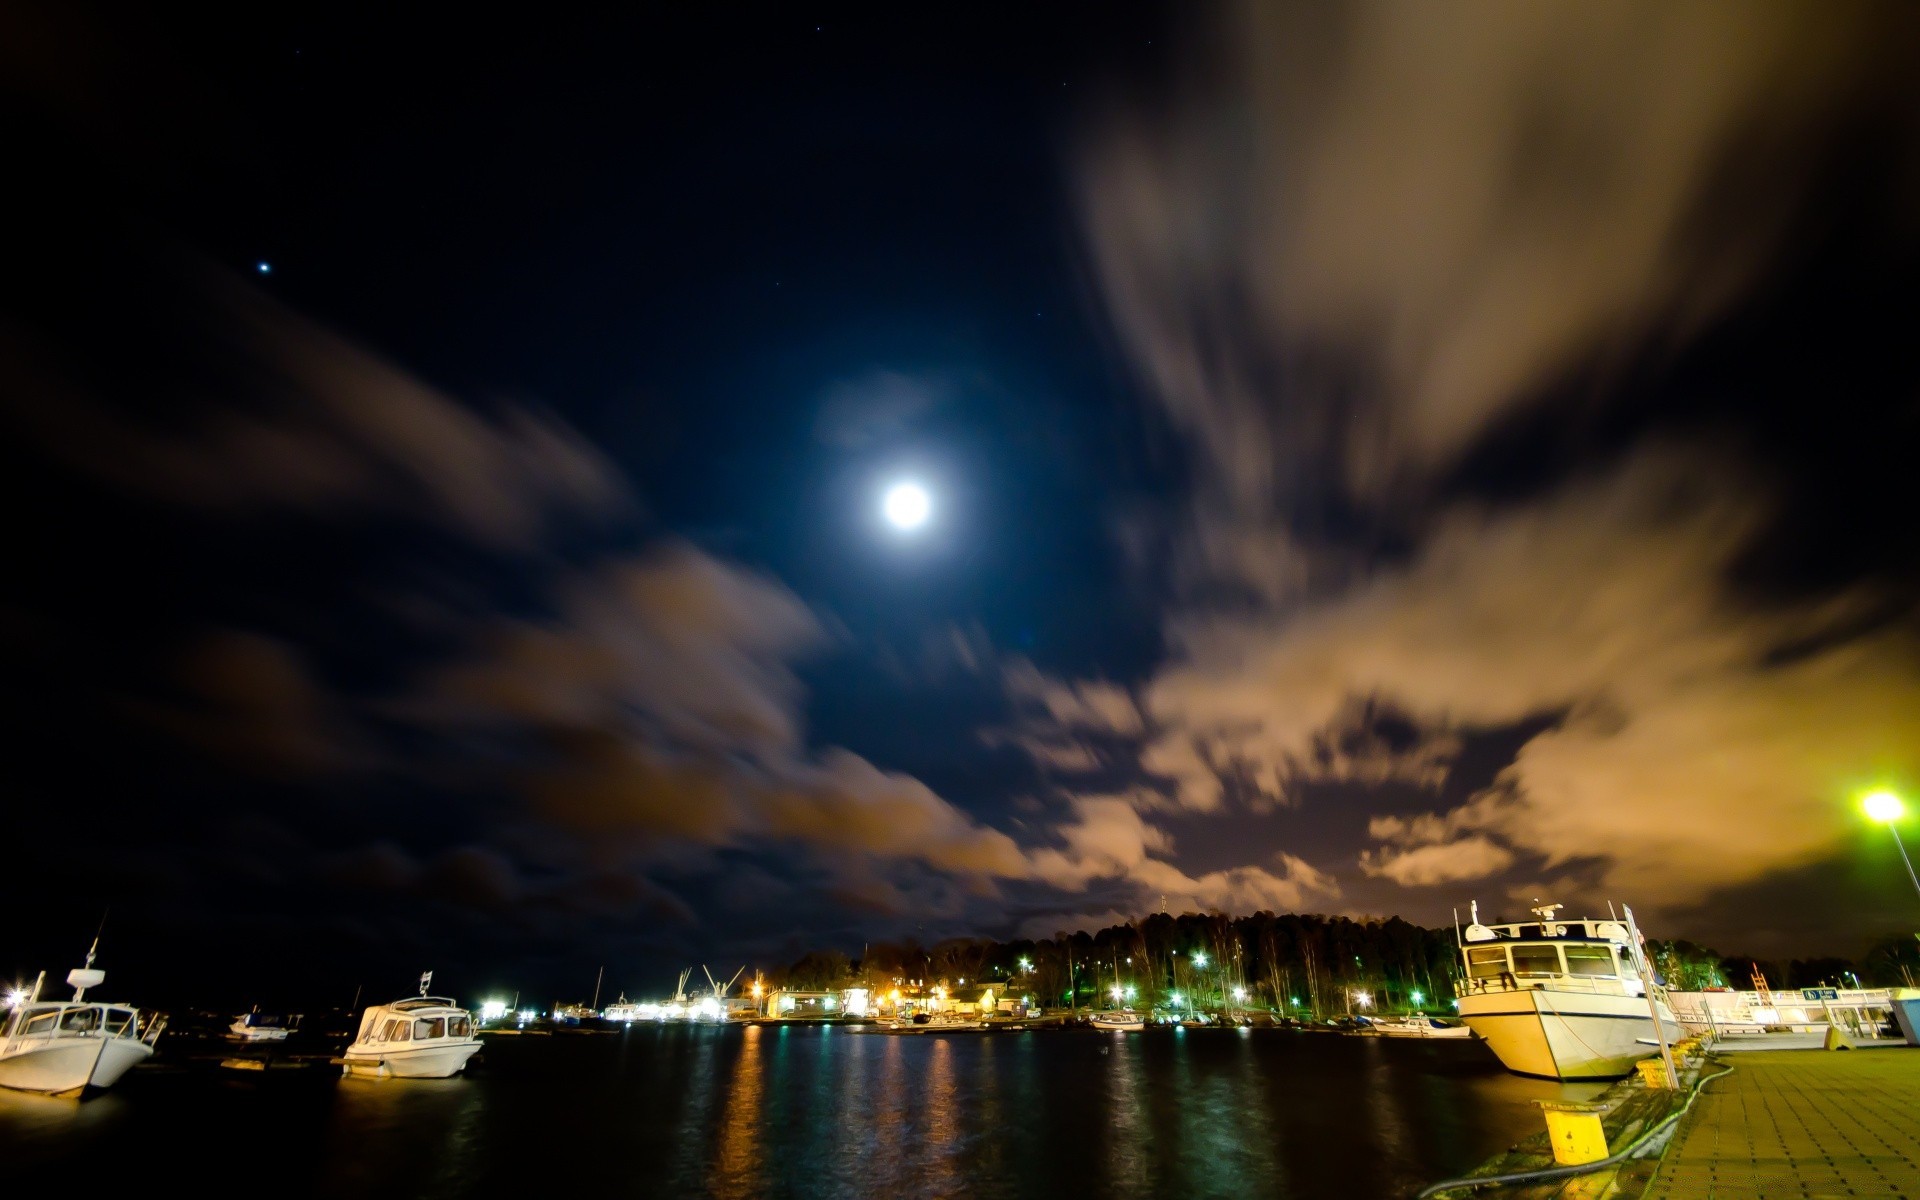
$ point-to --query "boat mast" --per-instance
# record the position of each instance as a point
(596, 987)
(1653, 1002)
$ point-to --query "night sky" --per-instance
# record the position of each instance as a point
(1381, 456)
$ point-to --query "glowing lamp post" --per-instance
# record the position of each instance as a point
(1886, 808)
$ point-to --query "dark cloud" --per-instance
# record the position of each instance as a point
(286, 415)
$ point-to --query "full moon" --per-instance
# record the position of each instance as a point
(907, 505)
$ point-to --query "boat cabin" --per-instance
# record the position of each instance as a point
(66, 1018)
(419, 1019)
(1570, 955)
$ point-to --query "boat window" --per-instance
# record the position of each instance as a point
(118, 1020)
(402, 1030)
(80, 1020)
(390, 1032)
(1536, 960)
(1486, 962)
(1590, 960)
(42, 1022)
(459, 1027)
(1627, 969)
(425, 1028)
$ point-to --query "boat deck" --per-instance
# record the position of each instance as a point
(1801, 1124)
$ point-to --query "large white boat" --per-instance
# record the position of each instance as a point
(68, 1046)
(1561, 999)
(421, 1037)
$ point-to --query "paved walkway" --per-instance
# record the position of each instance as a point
(1794, 1124)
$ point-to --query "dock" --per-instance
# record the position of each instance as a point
(1799, 1123)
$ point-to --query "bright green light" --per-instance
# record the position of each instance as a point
(1417, 997)
(1883, 806)
(1174, 999)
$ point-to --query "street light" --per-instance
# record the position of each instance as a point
(1199, 958)
(1026, 964)
(1886, 808)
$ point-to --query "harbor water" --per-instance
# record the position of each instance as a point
(807, 1111)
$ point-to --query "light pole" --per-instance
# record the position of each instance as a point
(1886, 808)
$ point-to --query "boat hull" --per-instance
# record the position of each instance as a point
(1566, 1035)
(71, 1064)
(438, 1061)
(1429, 1031)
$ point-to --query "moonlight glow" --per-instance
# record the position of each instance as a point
(907, 505)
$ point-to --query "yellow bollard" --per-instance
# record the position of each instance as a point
(1653, 1072)
(1575, 1131)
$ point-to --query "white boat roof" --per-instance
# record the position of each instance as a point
(422, 1004)
(1561, 929)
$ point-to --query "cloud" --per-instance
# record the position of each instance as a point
(878, 407)
(659, 700)
(252, 701)
(1679, 722)
(1438, 862)
(1363, 235)
(1108, 838)
(286, 415)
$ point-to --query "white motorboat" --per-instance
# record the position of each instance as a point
(1419, 1025)
(68, 1046)
(1561, 999)
(421, 1037)
(257, 1026)
(1122, 1020)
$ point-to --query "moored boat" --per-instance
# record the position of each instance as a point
(1562, 999)
(69, 1046)
(1122, 1020)
(257, 1026)
(1418, 1025)
(421, 1037)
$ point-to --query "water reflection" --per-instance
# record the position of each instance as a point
(741, 1112)
(736, 1161)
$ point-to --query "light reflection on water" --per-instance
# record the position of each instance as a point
(806, 1112)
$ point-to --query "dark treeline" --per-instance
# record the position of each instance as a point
(1302, 965)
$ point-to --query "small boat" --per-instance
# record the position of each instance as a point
(257, 1026)
(68, 1046)
(421, 1037)
(1562, 999)
(1122, 1021)
(1418, 1025)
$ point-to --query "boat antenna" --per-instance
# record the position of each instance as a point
(596, 986)
(1456, 927)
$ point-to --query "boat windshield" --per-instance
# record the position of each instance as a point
(1536, 959)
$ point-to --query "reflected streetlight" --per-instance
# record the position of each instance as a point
(1887, 808)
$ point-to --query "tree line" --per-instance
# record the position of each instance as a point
(1298, 964)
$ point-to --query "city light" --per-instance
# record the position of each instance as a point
(1887, 808)
(492, 1010)
(1116, 992)
(1418, 997)
(1199, 958)
(1884, 806)
(1240, 994)
(1174, 999)
(1362, 999)
(1131, 991)
(1026, 964)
